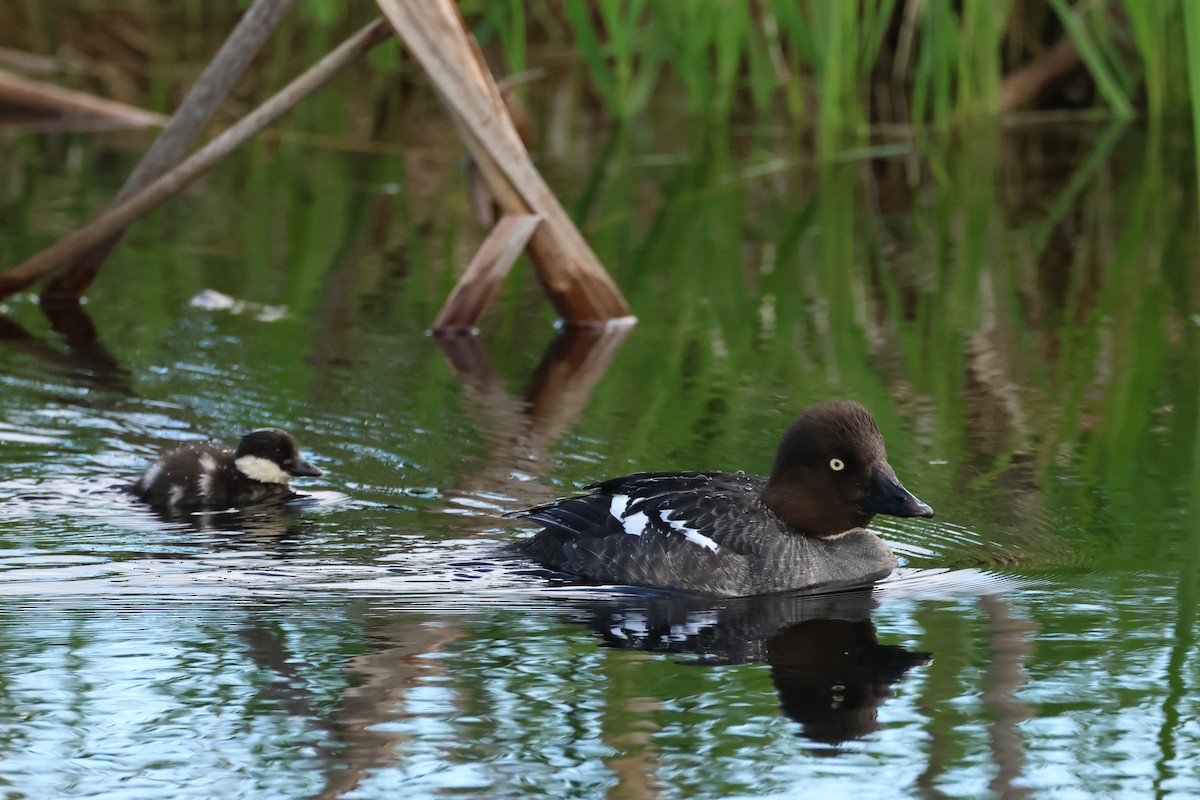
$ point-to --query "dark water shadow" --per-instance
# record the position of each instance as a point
(558, 389)
(829, 669)
(278, 529)
(827, 665)
(273, 531)
(87, 361)
(521, 430)
(86, 358)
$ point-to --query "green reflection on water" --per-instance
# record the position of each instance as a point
(1017, 307)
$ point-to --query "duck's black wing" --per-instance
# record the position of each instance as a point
(679, 530)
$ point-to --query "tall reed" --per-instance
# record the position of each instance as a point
(825, 63)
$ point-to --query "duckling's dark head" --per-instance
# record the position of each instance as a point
(270, 455)
(831, 473)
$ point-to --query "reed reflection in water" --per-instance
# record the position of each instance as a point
(1016, 307)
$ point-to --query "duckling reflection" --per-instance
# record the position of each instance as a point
(278, 527)
(827, 664)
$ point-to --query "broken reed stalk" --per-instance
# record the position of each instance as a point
(1023, 85)
(125, 212)
(577, 283)
(209, 91)
(481, 282)
(28, 62)
(39, 94)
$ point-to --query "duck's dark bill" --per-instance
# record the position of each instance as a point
(888, 496)
(301, 468)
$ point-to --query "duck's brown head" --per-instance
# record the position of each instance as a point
(831, 473)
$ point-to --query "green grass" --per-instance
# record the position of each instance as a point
(1192, 26)
(828, 69)
(822, 63)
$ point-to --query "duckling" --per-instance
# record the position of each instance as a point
(206, 475)
(732, 534)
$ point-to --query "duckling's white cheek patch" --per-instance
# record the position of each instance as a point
(261, 469)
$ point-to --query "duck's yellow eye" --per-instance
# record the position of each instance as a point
(836, 464)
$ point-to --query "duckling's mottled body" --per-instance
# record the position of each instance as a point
(732, 534)
(212, 476)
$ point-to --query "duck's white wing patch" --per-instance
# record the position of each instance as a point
(635, 524)
(691, 534)
(698, 538)
(261, 469)
(638, 523)
(619, 503)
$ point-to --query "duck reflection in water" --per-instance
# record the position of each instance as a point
(827, 664)
(281, 528)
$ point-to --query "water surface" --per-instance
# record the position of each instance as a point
(1018, 308)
